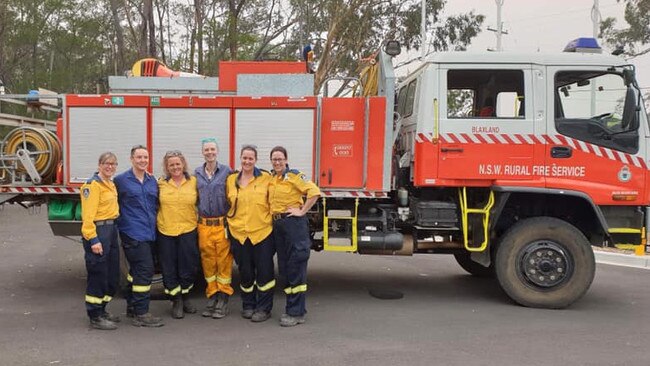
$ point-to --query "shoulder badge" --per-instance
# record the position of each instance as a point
(303, 177)
(85, 192)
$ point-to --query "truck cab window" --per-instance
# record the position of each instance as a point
(485, 94)
(589, 106)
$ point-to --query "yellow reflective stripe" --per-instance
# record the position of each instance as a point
(223, 280)
(94, 300)
(129, 278)
(187, 290)
(173, 292)
(139, 288)
(210, 279)
(300, 288)
(267, 287)
(624, 230)
(247, 290)
(108, 298)
(295, 290)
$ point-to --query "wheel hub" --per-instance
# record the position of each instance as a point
(545, 264)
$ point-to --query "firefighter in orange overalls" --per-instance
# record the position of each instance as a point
(99, 209)
(291, 231)
(213, 243)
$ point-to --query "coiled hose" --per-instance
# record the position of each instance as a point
(43, 146)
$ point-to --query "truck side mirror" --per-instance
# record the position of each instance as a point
(630, 120)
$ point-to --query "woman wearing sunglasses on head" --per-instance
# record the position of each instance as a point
(250, 226)
(177, 235)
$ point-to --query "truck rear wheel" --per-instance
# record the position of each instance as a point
(545, 262)
(473, 268)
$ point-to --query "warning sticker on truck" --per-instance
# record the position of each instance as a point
(342, 151)
(337, 125)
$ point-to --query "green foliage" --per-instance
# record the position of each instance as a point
(71, 46)
(635, 38)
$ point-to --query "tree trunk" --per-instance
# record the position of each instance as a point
(234, 9)
(152, 29)
(198, 11)
(119, 35)
(160, 11)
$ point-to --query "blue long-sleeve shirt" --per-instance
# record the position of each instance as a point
(138, 205)
(212, 191)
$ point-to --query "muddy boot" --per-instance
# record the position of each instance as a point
(221, 309)
(102, 323)
(188, 307)
(177, 307)
(209, 308)
(146, 320)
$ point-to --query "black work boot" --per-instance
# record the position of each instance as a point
(177, 307)
(102, 323)
(188, 307)
(147, 320)
(110, 317)
(221, 309)
(209, 308)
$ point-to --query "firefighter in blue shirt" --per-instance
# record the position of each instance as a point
(138, 197)
(98, 212)
(291, 231)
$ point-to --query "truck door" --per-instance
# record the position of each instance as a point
(487, 124)
(593, 145)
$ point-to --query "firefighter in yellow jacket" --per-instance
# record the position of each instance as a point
(249, 226)
(291, 231)
(99, 210)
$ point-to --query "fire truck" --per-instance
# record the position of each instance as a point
(515, 164)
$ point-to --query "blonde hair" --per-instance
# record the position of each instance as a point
(173, 154)
(106, 156)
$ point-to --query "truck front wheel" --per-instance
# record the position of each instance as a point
(545, 262)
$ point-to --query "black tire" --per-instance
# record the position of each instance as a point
(473, 268)
(545, 262)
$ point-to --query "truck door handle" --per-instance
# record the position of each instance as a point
(452, 149)
(329, 175)
(561, 152)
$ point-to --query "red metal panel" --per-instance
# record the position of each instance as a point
(376, 134)
(196, 102)
(228, 70)
(341, 150)
(78, 100)
(425, 163)
(274, 102)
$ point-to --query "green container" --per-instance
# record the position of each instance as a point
(77, 211)
(61, 210)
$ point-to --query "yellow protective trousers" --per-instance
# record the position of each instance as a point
(216, 258)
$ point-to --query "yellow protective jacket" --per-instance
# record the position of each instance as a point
(98, 202)
(177, 212)
(249, 216)
(288, 189)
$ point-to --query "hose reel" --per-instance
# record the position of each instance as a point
(30, 154)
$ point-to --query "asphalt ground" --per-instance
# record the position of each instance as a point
(446, 317)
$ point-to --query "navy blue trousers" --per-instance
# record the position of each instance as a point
(103, 271)
(140, 257)
(179, 259)
(293, 245)
(256, 272)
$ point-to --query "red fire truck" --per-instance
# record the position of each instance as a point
(514, 163)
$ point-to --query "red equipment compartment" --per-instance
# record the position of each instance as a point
(228, 70)
(342, 146)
